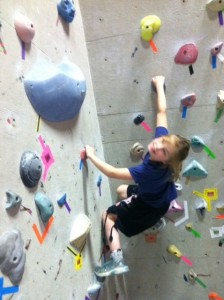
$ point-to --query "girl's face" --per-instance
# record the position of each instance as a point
(161, 149)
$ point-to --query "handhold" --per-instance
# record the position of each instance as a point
(187, 54)
(45, 206)
(24, 28)
(220, 100)
(149, 25)
(62, 200)
(30, 169)
(66, 10)
(214, 296)
(137, 150)
(215, 5)
(192, 275)
(56, 92)
(12, 255)
(139, 119)
(172, 249)
(188, 100)
(80, 230)
(196, 141)
(200, 205)
(194, 169)
(13, 200)
(217, 48)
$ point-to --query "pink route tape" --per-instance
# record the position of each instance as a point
(46, 157)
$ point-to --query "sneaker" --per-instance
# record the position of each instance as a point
(111, 268)
(157, 227)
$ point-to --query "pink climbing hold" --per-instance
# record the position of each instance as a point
(188, 100)
(187, 54)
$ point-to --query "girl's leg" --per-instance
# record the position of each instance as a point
(122, 191)
(112, 235)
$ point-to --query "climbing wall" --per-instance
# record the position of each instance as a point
(122, 65)
(52, 268)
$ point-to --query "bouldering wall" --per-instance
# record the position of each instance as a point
(122, 65)
(41, 207)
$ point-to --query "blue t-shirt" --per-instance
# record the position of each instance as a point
(155, 186)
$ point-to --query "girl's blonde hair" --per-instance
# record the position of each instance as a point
(182, 146)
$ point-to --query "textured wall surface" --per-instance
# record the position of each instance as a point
(49, 268)
(122, 66)
(118, 67)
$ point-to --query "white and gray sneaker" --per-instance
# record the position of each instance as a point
(114, 266)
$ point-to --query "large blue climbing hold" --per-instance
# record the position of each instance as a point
(56, 92)
(195, 169)
(66, 10)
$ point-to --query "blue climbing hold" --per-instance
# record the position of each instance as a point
(66, 10)
(56, 92)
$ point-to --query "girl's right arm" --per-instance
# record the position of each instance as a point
(161, 117)
(105, 168)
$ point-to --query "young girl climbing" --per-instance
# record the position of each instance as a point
(146, 202)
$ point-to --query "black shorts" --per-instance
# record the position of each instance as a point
(134, 216)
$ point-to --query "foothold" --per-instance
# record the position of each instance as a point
(172, 249)
(195, 169)
(139, 119)
(220, 100)
(13, 200)
(12, 255)
(62, 200)
(56, 92)
(45, 207)
(79, 232)
(24, 28)
(187, 54)
(175, 207)
(149, 25)
(217, 48)
(66, 10)
(137, 150)
(215, 5)
(200, 205)
(30, 169)
(93, 290)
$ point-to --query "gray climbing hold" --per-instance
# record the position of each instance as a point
(137, 151)
(12, 255)
(45, 206)
(56, 92)
(13, 200)
(30, 169)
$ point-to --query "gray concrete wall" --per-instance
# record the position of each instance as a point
(122, 90)
(40, 280)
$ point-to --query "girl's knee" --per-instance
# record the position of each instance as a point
(122, 191)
